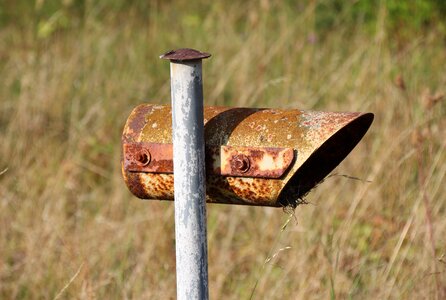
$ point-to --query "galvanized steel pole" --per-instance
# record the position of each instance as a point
(189, 173)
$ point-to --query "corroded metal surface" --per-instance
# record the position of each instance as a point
(221, 160)
(184, 54)
(321, 139)
(265, 162)
(148, 157)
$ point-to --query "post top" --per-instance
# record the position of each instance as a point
(184, 54)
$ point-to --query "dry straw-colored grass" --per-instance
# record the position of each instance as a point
(70, 229)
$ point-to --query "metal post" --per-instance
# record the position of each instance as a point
(189, 173)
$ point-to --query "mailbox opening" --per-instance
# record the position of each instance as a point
(324, 160)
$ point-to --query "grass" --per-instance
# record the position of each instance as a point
(70, 229)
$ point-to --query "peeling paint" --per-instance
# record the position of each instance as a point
(189, 174)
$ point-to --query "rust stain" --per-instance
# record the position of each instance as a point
(184, 54)
(314, 143)
(135, 123)
(134, 184)
(148, 157)
(220, 160)
(264, 162)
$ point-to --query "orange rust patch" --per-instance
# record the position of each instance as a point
(265, 162)
(220, 160)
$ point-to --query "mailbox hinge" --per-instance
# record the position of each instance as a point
(263, 162)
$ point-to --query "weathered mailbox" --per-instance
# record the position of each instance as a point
(254, 156)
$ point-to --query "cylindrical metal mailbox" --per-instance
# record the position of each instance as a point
(254, 156)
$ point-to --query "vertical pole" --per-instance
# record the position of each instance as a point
(189, 173)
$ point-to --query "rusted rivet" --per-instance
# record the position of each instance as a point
(241, 163)
(143, 158)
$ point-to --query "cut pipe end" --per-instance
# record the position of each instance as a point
(324, 159)
(184, 54)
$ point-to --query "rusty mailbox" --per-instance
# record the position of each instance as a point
(254, 156)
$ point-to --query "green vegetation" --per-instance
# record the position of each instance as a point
(71, 72)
